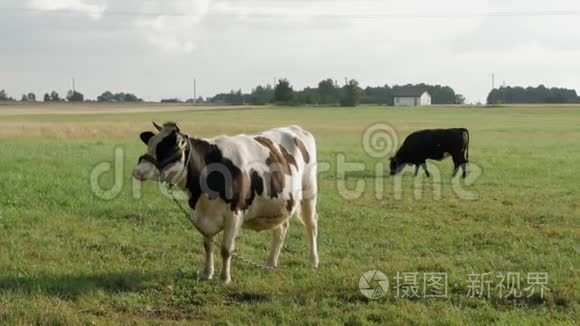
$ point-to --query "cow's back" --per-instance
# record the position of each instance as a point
(282, 161)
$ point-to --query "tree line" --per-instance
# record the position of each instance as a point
(328, 92)
(74, 96)
(529, 95)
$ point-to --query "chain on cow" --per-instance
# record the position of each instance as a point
(215, 242)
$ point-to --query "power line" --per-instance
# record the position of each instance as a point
(194, 91)
(378, 16)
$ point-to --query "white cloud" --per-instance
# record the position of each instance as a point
(93, 9)
(408, 20)
(172, 33)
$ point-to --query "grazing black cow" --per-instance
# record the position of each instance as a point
(433, 144)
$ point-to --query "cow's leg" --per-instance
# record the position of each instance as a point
(464, 164)
(310, 218)
(455, 169)
(232, 225)
(278, 236)
(424, 165)
(208, 269)
(417, 166)
(458, 161)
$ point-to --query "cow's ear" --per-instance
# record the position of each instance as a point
(158, 127)
(177, 128)
(146, 137)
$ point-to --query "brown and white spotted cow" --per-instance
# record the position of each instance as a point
(256, 182)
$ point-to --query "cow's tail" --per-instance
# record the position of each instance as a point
(466, 137)
(298, 215)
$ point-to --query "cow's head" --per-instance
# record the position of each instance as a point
(396, 166)
(166, 156)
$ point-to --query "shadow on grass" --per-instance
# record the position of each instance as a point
(248, 297)
(353, 296)
(357, 175)
(72, 286)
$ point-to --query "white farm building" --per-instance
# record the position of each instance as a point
(411, 97)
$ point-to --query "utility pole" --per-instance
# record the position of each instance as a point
(73, 85)
(194, 91)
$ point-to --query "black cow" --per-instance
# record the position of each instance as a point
(433, 144)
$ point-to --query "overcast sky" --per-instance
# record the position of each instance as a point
(154, 48)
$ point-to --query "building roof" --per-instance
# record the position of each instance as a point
(408, 91)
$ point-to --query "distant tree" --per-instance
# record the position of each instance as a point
(493, 97)
(233, 97)
(378, 95)
(328, 92)
(441, 94)
(352, 94)
(106, 97)
(129, 97)
(540, 94)
(261, 95)
(4, 96)
(192, 101)
(236, 97)
(459, 99)
(310, 96)
(54, 97)
(283, 92)
(170, 100)
(24, 98)
(109, 97)
(31, 97)
(46, 97)
(74, 96)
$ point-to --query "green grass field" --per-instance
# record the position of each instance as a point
(69, 257)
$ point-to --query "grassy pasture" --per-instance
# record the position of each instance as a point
(69, 257)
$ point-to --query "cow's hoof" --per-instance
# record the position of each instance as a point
(226, 282)
(270, 263)
(315, 264)
(206, 276)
